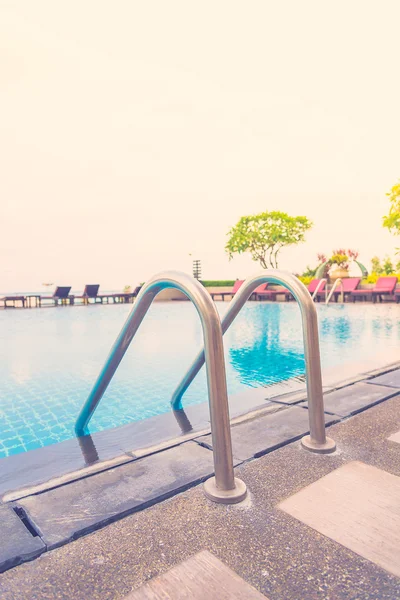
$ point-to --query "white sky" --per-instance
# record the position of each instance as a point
(134, 133)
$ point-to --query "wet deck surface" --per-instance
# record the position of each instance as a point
(270, 549)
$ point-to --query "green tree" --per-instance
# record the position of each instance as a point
(265, 234)
(392, 220)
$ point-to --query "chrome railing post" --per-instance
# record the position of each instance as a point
(224, 487)
(317, 288)
(317, 440)
(333, 289)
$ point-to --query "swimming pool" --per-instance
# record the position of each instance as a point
(49, 359)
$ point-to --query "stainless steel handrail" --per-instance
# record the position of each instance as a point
(224, 487)
(320, 282)
(338, 280)
(317, 440)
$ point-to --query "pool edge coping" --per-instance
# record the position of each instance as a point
(271, 405)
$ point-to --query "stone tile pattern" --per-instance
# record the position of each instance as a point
(264, 434)
(277, 554)
(354, 398)
(17, 544)
(391, 379)
(358, 506)
(395, 437)
(69, 511)
(191, 578)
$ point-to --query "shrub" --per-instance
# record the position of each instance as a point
(218, 283)
(309, 272)
(373, 277)
(306, 279)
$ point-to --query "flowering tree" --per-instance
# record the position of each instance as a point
(264, 235)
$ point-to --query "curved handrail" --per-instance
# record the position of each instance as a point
(317, 440)
(364, 272)
(338, 280)
(325, 265)
(317, 288)
(320, 272)
(224, 487)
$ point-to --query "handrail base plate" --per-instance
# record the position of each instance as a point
(312, 446)
(234, 496)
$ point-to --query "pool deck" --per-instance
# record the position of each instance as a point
(273, 551)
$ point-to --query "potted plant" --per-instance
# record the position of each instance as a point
(340, 263)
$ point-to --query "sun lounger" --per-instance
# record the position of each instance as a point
(5, 300)
(312, 286)
(264, 292)
(61, 294)
(384, 286)
(349, 285)
(90, 291)
(238, 283)
(120, 296)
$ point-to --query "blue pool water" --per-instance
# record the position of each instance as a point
(49, 359)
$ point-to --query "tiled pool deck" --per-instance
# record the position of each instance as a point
(279, 555)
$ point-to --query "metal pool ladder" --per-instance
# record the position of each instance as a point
(224, 487)
(321, 281)
(317, 441)
(333, 289)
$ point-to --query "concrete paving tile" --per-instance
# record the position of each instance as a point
(94, 452)
(140, 435)
(258, 436)
(354, 398)
(42, 464)
(17, 544)
(191, 578)
(389, 379)
(395, 437)
(358, 506)
(69, 511)
(277, 554)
